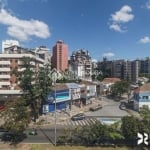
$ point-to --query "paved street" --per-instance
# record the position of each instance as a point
(110, 108)
(44, 135)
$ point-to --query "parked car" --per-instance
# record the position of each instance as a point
(123, 106)
(12, 137)
(79, 116)
(7, 137)
(3, 129)
(95, 108)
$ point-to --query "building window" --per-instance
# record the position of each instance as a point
(145, 97)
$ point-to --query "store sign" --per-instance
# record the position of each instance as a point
(45, 108)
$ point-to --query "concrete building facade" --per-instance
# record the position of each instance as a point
(81, 64)
(10, 60)
(141, 96)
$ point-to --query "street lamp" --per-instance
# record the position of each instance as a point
(54, 73)
(71, 89)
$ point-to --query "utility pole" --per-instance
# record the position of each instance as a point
(54, 73)
(55, 112)
(71, 100)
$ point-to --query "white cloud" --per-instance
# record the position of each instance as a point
(23, 30)
(116, 27)
(94, 60)
(145, 40)
(147, 5)
(123, 15)
(120, 17)
(109, 54)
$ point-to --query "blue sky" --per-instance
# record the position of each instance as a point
(117, 29)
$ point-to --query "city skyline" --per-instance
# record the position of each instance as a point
(114, 29)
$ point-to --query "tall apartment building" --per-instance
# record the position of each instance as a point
(130, 70)
(135, 70)
(105, 67)
(123, 69)
(144, 65)
(60, 56)
(11, 59)
(81, 64)
(117, 68)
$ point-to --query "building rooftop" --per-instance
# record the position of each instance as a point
(60, 86)
(72, 85)
(111, 80)
(145, 87)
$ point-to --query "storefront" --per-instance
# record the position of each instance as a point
(62, 100)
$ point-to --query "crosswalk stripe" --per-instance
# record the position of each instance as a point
(93, 120)
(88, 122)
(76, 122)
(83, 123)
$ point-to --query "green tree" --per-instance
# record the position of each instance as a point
(145, 112)
(27, 78)
(16, 116)
(44, 82)
(130, 128)
(120, 88)
(145, 123)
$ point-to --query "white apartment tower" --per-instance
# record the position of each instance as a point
(9, 43)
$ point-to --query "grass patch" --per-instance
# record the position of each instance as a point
(51, 147)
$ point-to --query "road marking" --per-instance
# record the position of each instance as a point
(86, 121)
(83, 123)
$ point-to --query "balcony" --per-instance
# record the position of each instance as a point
(4, 69)
(4, 62)
(20, 62)
(21, 69)
(6, 92)
(4, 76)
(4, 83)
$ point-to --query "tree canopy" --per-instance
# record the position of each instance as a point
(120, 88)
(16, 115)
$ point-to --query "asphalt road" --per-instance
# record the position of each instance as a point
(110, 108)
(43, 135)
